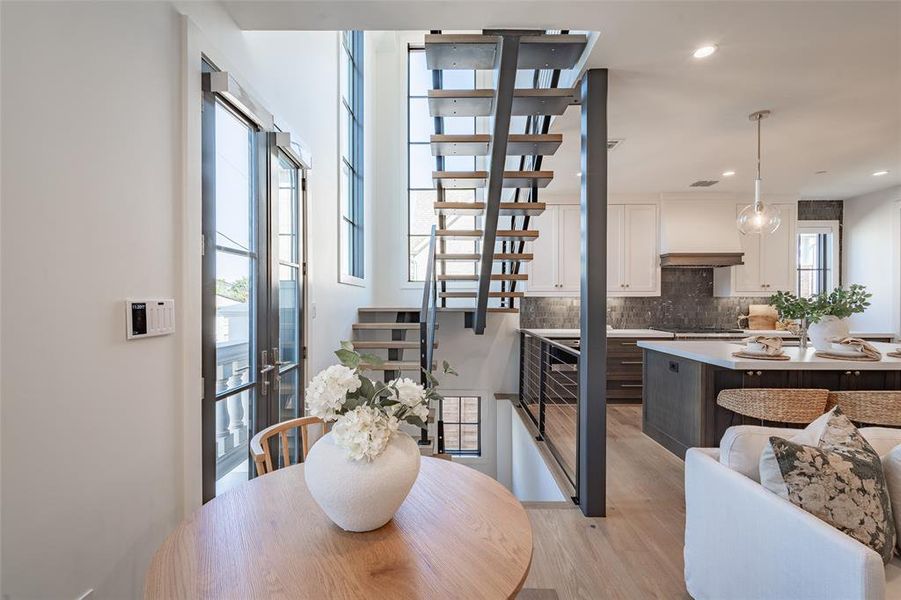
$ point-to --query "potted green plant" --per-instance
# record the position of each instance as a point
(822, 317)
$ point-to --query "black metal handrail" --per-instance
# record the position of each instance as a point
(428, 319)
(549, 395)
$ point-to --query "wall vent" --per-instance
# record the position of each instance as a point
(704, 183)
(611, 144)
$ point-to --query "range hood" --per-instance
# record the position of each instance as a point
(696, 234)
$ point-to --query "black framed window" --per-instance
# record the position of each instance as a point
(351, 145)
(817, 258)
(462, 417)
(421, 192)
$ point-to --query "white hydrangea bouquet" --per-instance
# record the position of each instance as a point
(367, 413)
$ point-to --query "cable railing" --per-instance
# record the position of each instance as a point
(549, 393)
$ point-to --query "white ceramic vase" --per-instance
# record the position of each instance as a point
(822, 333)
(360, 495)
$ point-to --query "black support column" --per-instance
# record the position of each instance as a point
(592, 459)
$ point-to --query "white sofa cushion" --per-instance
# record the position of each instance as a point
(742, 445)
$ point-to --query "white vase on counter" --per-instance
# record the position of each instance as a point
(828, 328)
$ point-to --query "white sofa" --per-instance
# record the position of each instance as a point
(743, 542)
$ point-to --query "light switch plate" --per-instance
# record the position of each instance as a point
(149, 318)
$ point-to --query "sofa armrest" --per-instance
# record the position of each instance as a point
(742, 541)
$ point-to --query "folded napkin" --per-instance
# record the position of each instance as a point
(772, 345)
(896, 353)
(868, 351)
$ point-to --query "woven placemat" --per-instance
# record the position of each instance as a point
(846, 357)
(762, 356)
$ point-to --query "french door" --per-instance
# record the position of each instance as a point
(253, 214)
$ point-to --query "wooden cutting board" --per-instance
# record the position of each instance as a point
(762, 316)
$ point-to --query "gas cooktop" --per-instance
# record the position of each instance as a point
(698, 329)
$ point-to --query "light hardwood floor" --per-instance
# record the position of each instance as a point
(636, 551)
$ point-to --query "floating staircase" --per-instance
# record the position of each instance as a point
(495, 268)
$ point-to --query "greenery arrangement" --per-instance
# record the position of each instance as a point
(839, 303)
(368, 413)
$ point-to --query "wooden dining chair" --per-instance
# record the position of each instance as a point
(801, 406)
(869, 407)
(259, 444)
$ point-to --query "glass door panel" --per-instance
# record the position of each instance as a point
(289, 270)
(236, 287)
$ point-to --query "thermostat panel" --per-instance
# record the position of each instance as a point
(148, 318)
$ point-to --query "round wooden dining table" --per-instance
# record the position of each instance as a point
(459, 534)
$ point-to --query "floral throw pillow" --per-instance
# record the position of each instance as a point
(840, 481)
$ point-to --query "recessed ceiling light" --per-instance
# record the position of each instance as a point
(728, 173)
(880, 173)
(704, 51)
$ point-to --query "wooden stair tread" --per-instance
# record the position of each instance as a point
(477, 144)
(386, 345)
(502, 309)
(494, 277)
(410, 326)
(480, 102)
(388, 309)
(498, 257)
(478, 208)
(470, 233)
(395, 365)
(479, 179)
(479, 51)
(475, 294)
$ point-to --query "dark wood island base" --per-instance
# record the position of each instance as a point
(680, 410)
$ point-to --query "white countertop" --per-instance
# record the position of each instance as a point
(784, 333)
(612, 333)
(719, 354)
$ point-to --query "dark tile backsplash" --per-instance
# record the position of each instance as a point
(686, 300)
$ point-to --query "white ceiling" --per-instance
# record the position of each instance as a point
(829, 71)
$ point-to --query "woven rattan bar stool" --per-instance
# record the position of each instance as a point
(775, 404)
(871, 408)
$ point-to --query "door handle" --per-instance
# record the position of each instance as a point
(264, 370)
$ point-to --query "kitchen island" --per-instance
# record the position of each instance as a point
(682, 380)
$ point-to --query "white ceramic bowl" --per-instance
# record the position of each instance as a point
(756, 347)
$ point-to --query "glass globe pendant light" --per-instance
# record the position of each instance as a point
(758, 218)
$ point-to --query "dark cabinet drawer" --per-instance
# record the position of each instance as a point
(623, 347)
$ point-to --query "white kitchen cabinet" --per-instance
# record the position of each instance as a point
(556, 268)
(633, 255)
(570, 247)
(632, 251)
(641, 255)
(769, 260)
(543, 267)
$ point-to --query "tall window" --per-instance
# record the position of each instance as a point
(351, 144)
(817, 257)
(420, 164)
(462, 425)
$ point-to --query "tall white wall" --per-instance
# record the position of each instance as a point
(100, 202)
(91, 424)
(872, 256)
